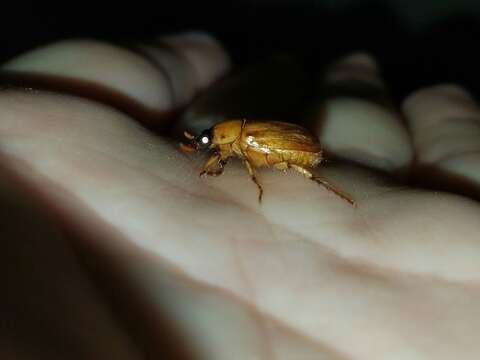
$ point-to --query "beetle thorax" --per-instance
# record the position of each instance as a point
(226, 132)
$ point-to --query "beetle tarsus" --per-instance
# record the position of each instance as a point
(217, 172)
(260, 189)
(325, 183)
(334, 189)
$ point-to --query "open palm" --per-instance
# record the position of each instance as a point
(302, 276)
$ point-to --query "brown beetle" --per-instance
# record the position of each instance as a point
(261, 143)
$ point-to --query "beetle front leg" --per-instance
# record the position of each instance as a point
(212, 161)
(219, 171)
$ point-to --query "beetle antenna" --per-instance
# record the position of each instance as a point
(188, 135)
(186, 148)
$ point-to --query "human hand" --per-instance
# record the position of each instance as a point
(304, 275)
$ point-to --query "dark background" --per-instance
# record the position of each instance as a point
(417, 43)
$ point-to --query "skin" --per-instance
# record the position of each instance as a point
(111, 232)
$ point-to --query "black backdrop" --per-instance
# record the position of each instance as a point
(416, 45)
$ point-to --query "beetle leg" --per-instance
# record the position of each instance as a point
(324, 183)
(209, 163)
(253, 176)
(221, 164)
(213, 160)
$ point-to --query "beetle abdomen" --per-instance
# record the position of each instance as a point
(301, 158)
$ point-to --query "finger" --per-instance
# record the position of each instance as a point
(356, 120)
(191, 62)
(273, 90)
(123, 78)
(445, 124)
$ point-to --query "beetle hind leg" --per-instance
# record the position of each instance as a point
(253, 176)
(325, 183)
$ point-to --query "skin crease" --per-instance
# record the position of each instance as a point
(303, 276)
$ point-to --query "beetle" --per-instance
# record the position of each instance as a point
(274, 144)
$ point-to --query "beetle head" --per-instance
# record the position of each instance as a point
(200, 142)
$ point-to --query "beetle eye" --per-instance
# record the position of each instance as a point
(203, 139)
